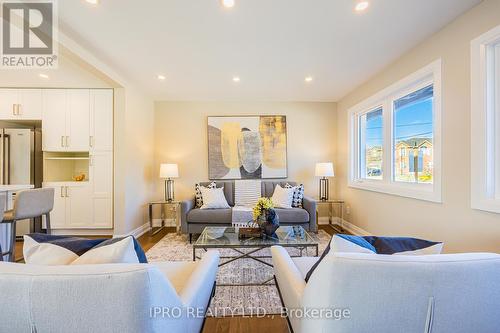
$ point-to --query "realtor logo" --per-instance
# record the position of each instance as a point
(29, 34)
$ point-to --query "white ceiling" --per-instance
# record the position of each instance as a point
(272, 45)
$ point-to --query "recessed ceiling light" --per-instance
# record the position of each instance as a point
(236, 79)
(361, 6)
(93, 2)
(308, 79)
(43, 76)
(228, 3)
(161, 77)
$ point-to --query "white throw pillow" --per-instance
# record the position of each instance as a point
(282, 197)
(46, 253)
(121, 252)
(213, 198)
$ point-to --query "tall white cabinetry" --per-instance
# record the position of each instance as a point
(77, 140)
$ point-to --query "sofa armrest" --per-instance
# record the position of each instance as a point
(186, 206)
(199, 286)
(309, 204)
(290, 281)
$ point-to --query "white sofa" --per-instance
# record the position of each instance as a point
(447, 293)
(107, 298)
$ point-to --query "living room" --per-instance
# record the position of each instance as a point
(245, 166)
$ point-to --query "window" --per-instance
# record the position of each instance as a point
(395, 138)
(371, 136)
(485, 121)
(413, 130)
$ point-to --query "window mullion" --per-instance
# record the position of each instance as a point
(388, 139)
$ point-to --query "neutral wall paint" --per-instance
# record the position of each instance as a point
(453, 221)
(181, 137)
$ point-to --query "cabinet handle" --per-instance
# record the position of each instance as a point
(91, 141)
(19, 110)
(67, 141)
(62, 141)
(62, 196)
(14, 109)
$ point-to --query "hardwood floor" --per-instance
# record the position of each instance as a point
(238, 324)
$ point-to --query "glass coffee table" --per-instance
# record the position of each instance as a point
(227, 238)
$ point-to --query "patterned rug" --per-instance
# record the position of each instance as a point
(234, 300)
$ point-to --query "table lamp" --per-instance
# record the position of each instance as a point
(324, 170)
(167, 172)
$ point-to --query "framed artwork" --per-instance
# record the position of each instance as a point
(247, 147)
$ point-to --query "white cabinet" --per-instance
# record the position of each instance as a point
(54, 120)
(101, 180)
(101, 120)
(66, 120)
(78, 122)
(72, 206)
(77, 138)
(23, 104)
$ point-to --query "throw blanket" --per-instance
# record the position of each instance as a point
(246, 192)
(241, 215)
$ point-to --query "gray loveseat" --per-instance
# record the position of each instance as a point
(194, 220)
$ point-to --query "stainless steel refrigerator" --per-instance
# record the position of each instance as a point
(21, 161)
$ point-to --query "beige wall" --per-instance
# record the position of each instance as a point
(181, 137)
(453, 221)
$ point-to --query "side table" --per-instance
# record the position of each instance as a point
(174, 206)
(331, 205)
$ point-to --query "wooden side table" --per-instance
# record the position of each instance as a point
(174, 206)
(331, 204)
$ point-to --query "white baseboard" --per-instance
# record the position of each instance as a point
(351, 228)
(137, 232)
(83, 232)
(354, 229)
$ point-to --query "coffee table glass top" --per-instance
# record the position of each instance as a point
(228, 237)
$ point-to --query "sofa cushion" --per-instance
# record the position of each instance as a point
(197, 215)
(291, 215)
(177, 273)
(304, 264)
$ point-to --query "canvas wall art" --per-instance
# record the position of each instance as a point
(247, 147)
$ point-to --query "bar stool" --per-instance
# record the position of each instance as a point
(28, 205)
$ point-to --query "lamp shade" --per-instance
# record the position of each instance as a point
(324, 170)
(169, 171)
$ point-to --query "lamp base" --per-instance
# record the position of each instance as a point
(324, 189)
(169, 190)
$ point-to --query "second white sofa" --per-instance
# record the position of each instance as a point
(446, 293)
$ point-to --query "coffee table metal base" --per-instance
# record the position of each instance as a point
(248, 255)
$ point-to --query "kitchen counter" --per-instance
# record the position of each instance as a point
(14, 188)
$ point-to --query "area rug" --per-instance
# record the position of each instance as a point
(234, 300)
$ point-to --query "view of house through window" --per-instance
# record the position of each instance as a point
(413, 137)
(371, 139)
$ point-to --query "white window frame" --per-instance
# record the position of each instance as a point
(485, 123)
(430, 74)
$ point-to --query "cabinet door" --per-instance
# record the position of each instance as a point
(8, 100)
(58, 216)
(54, 120)
(79, 206)
(78, 130)
(101, 180)
(101, 120)
(30, 104)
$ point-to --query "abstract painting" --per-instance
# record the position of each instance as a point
(247, 147)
